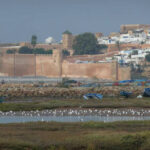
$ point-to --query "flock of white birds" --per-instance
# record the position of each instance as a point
(80, 112)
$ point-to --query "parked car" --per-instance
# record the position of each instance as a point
(91, 85)
(92, 96)
(125, 94)
(146, 92)
(71, 83)
(1, 99)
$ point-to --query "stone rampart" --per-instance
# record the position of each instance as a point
(93, 70)
(115, 47)
(31, 90)
(54, 66)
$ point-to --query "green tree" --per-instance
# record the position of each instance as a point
(142, 42)
(65, 52)
(147, 57)
(135, 52)
(86, 43)
(118, 45)
(25, 50)
(67, 32)
(11, 51)
(42, 51)
(49, 51)
(39, 51)
(102, 46)
(34, 40)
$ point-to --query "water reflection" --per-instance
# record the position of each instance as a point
(21, 119)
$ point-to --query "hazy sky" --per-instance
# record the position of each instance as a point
(19, 19)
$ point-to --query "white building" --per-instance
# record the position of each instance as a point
(127, 38)
(130, 57)
(106, 40)
(138, 36)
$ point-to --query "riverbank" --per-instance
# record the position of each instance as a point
(45, 90)
(130, 135)
(76, 115)
(29, 104)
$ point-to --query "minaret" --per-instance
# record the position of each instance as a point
(67, 40)
(57, 58)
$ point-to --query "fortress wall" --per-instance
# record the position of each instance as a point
(90, 57)
(46, 66)
(28, 65)
(125, 28)
(124, 73)
(101, 70)
(114, 47)
(44, 46)
(130, 46)
(3, 50)
(24, 65)
(144, 46)
(48, 46)
(52, 66)
(7, 65)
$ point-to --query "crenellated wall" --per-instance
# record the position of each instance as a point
(55, 66)
(124, 73)
(24, 65)
(98, 70)
(7, 65)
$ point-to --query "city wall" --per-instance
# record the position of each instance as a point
(28, 65)
(93, 70)
(115, 47)
(130, 27)
(54, 66)
(124, 73)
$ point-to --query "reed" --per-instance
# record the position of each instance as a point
(129, 135)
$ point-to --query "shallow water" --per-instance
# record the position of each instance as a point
(21, 119)
(76, 115)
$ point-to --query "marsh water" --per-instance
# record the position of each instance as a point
(75, 115)
(22, 119)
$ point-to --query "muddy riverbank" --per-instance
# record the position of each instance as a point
(37, 90)
(75, 115)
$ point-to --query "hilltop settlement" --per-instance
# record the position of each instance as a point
(122, 55)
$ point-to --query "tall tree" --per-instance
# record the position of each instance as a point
(25, 50)
(67, 32)
(65, 52)
(118, 45)
(34, 40)
(147, 57)
(11, 51)
(86, 43)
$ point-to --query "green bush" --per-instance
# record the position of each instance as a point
(27, 50)
(65, 52)
(11, 51)
(133, 142)
(147, 57)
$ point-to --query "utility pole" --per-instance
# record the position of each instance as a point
(35, 64)
(14, 65)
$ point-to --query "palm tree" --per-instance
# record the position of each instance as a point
(34, 40)
(118, 45)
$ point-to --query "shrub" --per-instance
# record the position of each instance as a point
(11, 51)
(132, 142)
